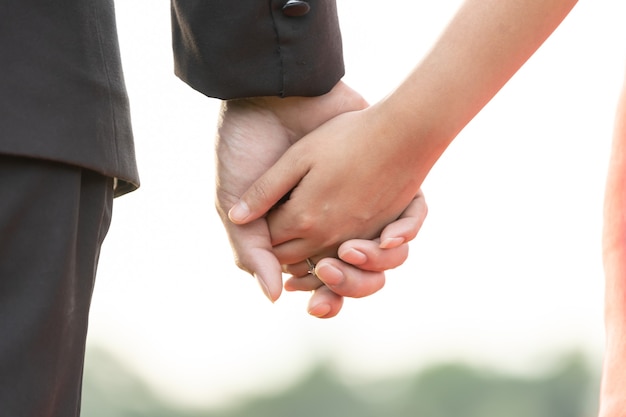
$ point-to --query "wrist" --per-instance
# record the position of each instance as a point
(412, 133)
(302, 115)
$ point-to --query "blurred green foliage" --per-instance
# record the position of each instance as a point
(445, 390)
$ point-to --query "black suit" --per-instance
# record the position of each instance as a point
(276, 55)
(65, 135)
(62, 94)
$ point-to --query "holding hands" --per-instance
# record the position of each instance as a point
(320, 218)
(325, 170)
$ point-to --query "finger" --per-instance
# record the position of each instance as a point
(301, 278)
(268, 190)
(368, 255)
(347, 280)
(299, 269)
(391, 250)
(408, 224)
(371, 255)
(324, 303)
(253, 253)
(305, 283)
(291, 252)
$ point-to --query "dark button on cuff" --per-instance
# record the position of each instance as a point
(296, 8)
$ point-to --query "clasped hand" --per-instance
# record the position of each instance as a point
(261, 158)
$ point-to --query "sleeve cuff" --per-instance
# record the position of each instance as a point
(233, 49)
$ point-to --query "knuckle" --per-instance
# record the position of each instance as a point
(258, 192)
(305, 222)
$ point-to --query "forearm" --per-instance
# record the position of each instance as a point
(613, 393)
(614, 230)
(484, 45)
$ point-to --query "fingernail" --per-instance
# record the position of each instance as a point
(320, 310)
(329, 274)
(264, 287)
(353, 256)
(239, 212)
(391, 242)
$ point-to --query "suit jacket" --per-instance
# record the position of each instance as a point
(62, 93)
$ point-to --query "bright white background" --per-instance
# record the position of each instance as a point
(506, 271)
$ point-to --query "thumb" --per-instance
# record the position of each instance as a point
(253, 253)
(267, 191)
(268, 273)
(407, 226)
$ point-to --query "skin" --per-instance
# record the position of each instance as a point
(252, 135)
(613, 386)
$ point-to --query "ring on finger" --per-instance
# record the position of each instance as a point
(311, 266)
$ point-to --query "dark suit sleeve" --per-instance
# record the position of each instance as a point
(247, 48)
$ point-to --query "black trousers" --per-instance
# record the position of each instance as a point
(53, 219)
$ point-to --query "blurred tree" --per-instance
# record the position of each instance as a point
(110, 390)
(319, 394)
(447, 390)
(460, 390)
